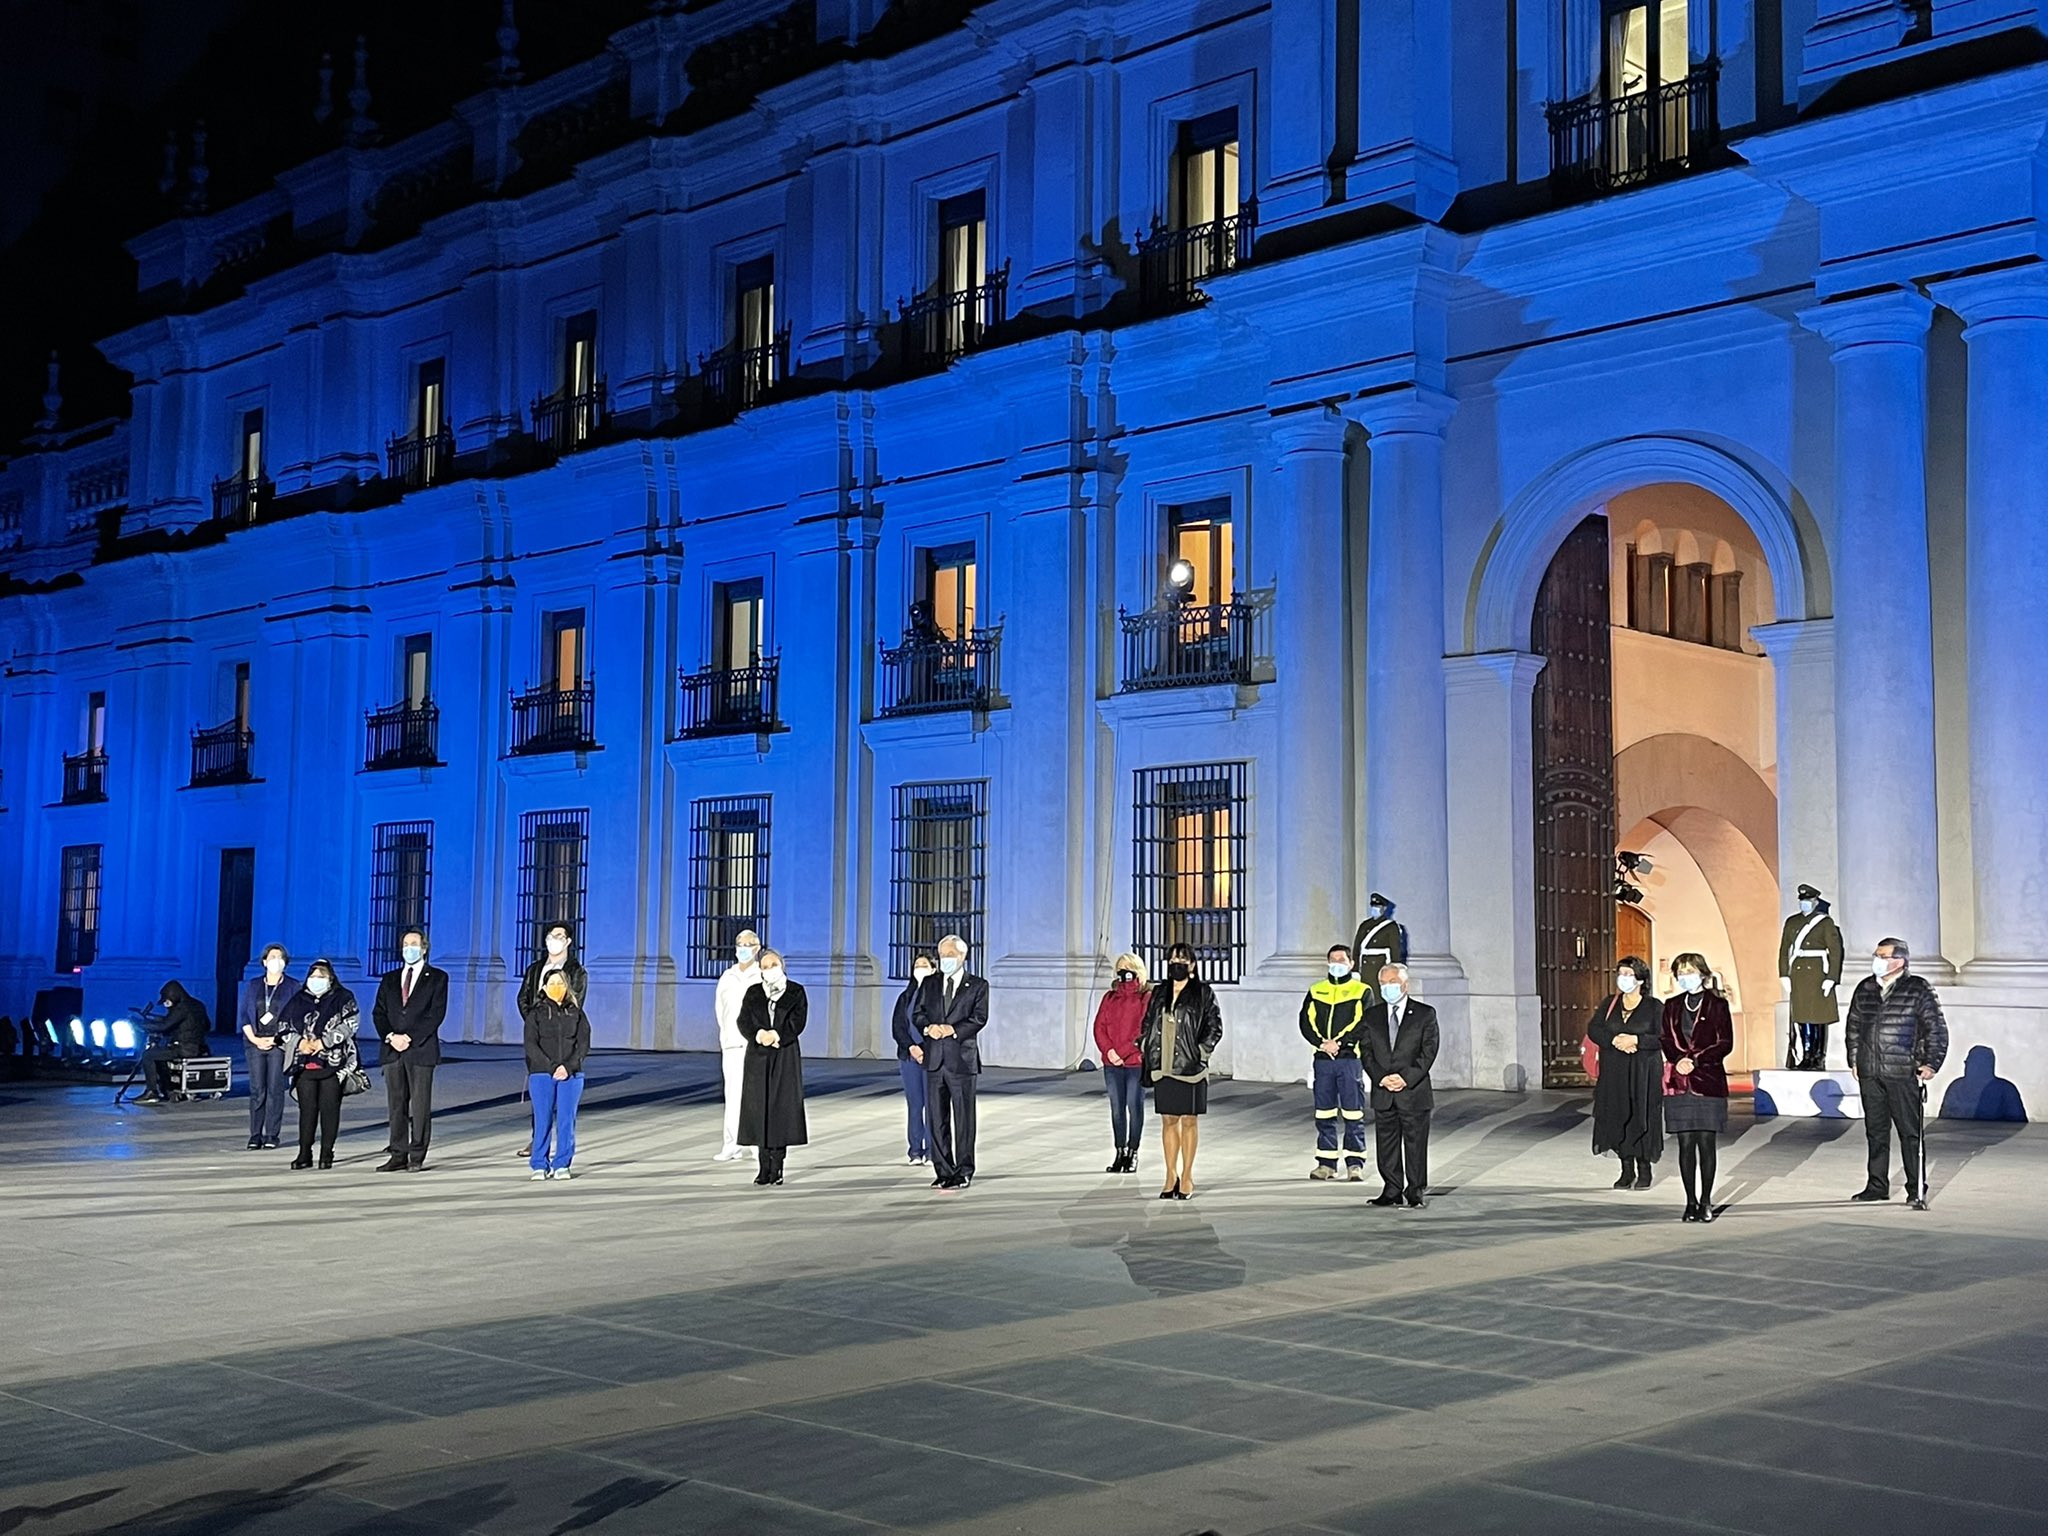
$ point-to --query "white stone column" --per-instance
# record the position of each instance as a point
(1884, 645)
(2005, 317)
(1407, 836)
(1315, 884)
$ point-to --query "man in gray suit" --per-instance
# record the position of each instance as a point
(951, 1008)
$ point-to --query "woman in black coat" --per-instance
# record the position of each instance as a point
(319, 1040)
(1628, 1096)
(772, 1016)
(1182, 1028)
(1698, 1033)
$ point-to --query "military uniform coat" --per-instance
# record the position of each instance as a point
(772, 1080)
(1379, 941)
(1811, 1003)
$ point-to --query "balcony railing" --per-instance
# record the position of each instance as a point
(1188, 645)
(928, 675)
(739, 378)
(417, 462)
(85, 777)
(1604, 144)
(403, 736)
(940, 327)
(730, 701)
(1172, 263)
(220, 754)
(563, 423)
(554, 719)
(241, 498)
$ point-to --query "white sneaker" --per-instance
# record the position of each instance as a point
(563, 1174)
(727, 1155)
(537, 1175)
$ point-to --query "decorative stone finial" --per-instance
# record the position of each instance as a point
(196, 173)
(506, 70)
(323, 97)
(362, 128)
(53, 397)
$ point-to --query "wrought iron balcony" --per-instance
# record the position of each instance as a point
(241, 499)
(1188, 645)
(941, 327)
(220, 754)
(730, 701)
(403, 736)
(85, 777)
(739, 378)
(417, 462)
(1605, 144)
(554, 719)
(1172, 263)
(563, 423)
(931, 674)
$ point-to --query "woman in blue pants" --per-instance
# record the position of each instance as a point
(912, 1068)
(557, 1040)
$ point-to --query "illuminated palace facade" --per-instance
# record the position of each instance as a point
(737, 481)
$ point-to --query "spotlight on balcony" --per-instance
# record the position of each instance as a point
(1180, 581)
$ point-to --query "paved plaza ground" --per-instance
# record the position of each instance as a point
(194, 1339)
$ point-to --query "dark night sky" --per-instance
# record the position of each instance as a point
(90, 88)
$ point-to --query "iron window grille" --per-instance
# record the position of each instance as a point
(728, 877)
(1188, 866)
(938, 869)
(401, 887)
(554, 863)
(78, 908)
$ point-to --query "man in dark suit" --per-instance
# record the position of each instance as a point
(411, 1003)
(951, 1008)
(1400, 1045)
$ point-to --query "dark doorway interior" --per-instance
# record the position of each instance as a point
(231, 950)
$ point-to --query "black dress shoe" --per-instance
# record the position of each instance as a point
(1384, 1200)
(943, 1181)
(1692, 1211)
(303, 1160)
(1869, 1194)
(392, 1165)
(270, 1146)
(327, 1160)
(962, 1180)
(1707, 1214)
(1916, 1204)
(762, 1178)
(419, 1167)
(1417, 1202)
(255, 1142)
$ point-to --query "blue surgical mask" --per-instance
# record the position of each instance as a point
(1392, 991)
(1690, 981)
(412, 953)
(1806, 908)
(949, 964)
(1339, 970)
(317, 985)
(744, 954)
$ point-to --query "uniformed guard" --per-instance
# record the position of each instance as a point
(1380, 941)
(1330, 1018)
(1810, 960)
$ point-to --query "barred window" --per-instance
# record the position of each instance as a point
(554, 857)
(401, 888)
(938, 873)
(78, 908)
(728, 877)
(1188, 866)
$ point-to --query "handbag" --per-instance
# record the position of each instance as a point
(354, 1080)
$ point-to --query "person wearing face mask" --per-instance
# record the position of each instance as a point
(1810, 961)
(1119, 1022)
(1696, 1033)
(772, 1016)
(733, 985)
(411, 1002)
(557, 1041)
(179, 1034)
(1897, 1041)
(910, 1060)
(1331, 1017)
(319, 1040)
(257, 1015)
(1400, 1047)
(1183, 1027)
(556, 955)
(1380, 941)
(950, 1012)
(1628, 1116)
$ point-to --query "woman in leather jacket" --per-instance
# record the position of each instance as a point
(1182, 1028)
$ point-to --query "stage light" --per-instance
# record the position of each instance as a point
(99, 1034)
(1180, 578)
(78, 1033)
(124, 1036)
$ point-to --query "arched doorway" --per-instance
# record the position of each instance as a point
(1654, 728)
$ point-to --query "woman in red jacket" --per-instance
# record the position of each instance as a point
(1118, 1021)
(1697, 1035)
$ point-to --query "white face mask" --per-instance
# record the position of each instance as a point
(317, 985)
(412, 953)
(772, 981)
(557, 945)
(1690, 981)
(273, 968)
(1339, 970)
(920, 974)
(744, 954)
(949, 963)
(1806, 908)
(1627, 982)
(1880, 967)
(1392, 991)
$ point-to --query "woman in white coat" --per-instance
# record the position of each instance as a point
(733, 986)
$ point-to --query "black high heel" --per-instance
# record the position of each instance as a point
(1707, 1213)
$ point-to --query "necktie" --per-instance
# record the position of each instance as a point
(951, 983)
(405, 988)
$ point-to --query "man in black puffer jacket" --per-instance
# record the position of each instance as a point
(1897, 1040)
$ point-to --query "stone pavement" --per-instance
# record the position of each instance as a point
(196, 1340)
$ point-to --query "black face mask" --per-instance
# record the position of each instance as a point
(1177, 970)
(1126, 976)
